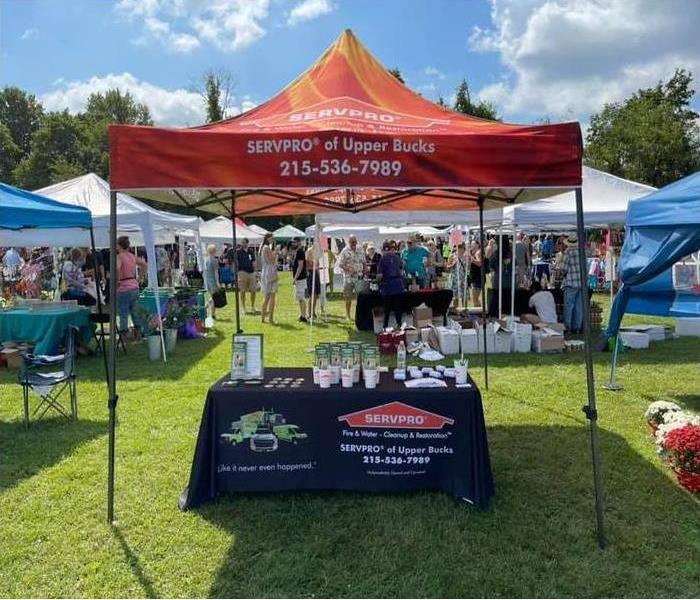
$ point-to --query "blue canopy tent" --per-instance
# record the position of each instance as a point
(662, 229)
(21, 210)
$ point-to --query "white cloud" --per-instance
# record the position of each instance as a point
(168, 107)
(183, 25)
(433, 72)
(307, 10)
(30, 34)
(567, 58)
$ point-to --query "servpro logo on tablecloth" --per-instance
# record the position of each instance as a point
(396, 415)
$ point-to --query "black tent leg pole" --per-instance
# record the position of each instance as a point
(483, 290)
(98, 285)
(235, 262)
(590, 408)
(113, 334)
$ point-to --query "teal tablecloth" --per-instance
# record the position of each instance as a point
(46, 329)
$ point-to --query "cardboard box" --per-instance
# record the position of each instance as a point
(448, 340)
(468, 341)
(558, 327)
(422, 316)
(522, 337)
(490, 338)
(412, 335)
(503, 341)
(634, 339)
(13, 358)
(688, 327)
(547, 341)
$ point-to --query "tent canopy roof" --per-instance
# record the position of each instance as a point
(92, 192)
(20, 209)
(218, 230)
(346, 135)
(675, 204)
(287, 232)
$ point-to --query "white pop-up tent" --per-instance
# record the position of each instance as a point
(607, 198)
(257, 229)
(288, 232)
(374, 232)
(218, 231)
(143, 224)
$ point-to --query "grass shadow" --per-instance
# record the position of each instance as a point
(135, 364)
(135, 565)
(537, 540)
(26, 452)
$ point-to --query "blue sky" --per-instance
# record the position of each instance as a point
(532, 58)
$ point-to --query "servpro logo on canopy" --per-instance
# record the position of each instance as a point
(396, 415)
(343, 110)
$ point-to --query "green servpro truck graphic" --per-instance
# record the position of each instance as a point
(264, 430)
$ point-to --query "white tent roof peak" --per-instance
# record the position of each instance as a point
(288, 232)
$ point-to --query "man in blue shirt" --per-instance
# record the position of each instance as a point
(413, 257)
(547, 247)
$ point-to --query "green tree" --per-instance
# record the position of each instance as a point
(60, 146)
(21, 113)
(396, 73)
(463, 104)
(216, 88)
(10, 154)
(116, 107)
(652, 137)
(100, 112)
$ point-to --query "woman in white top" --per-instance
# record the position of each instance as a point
(268, 277)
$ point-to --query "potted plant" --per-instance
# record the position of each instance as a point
(682, 451)
(173, 318)
(655, 414)
(150, 327)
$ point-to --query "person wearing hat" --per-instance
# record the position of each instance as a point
(571, 283)
(413, 259)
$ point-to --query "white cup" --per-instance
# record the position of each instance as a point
(461, 370)
(371, 379)
(347, 377)
(335, 375)
(316, 378)
(324, 378)
(356, 374)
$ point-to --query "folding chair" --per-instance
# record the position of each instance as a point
(50, 386)
(100, 337)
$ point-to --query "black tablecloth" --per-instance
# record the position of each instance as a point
(294, 436)
(438, 300)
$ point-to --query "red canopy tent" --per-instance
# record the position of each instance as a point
(347, 135)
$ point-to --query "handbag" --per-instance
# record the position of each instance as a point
(219, 298)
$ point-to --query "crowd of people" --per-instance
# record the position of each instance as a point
(389, 270)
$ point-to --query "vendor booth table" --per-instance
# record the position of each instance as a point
(46, 328)
(288, 434)
(438, 300)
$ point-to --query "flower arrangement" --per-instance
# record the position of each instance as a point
(657, 410)
(677, 435)
(176, 314)
(682, 451)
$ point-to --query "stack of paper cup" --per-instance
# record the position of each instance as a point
(371, 378)
(324, 378)
(347, 377)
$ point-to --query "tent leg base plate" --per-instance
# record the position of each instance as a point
(613, 387)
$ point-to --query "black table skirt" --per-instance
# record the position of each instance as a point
(438, 300)
(295, 436)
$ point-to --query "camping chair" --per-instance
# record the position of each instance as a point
(50, 386)
(101, 335)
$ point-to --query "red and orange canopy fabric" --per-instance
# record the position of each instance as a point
(346, 135)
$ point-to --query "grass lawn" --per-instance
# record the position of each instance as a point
(537, 539)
